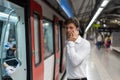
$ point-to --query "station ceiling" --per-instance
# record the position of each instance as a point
(111, 14)
(84, 10)
(78, 8)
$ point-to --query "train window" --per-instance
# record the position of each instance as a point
(12, 39)
(37, 38)
(48, 38)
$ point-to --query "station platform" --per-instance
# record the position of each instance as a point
(103, 65)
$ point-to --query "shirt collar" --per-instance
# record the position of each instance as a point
(78, 39)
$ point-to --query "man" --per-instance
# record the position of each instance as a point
(77, 49)
(10, 66)
(99, 41)
(10, 63)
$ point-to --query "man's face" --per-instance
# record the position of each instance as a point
(70, 28)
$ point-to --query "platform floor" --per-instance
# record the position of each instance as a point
(103, 65)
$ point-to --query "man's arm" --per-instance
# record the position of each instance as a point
(74, 57)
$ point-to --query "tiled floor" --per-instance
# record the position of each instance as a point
(103, 65)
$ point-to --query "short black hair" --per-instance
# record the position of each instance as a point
(75, 21)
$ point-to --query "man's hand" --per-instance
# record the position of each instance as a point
(73, 36)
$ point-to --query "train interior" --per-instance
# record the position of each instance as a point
(12, 31)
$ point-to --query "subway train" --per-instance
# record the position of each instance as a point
(38, 33)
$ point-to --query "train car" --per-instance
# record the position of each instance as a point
(32, 41)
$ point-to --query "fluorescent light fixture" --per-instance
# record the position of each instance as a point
(45, 24)
(104, 3)
(4, 17)
(102, 6)
(93, 19)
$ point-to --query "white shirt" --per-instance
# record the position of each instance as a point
(77, 55)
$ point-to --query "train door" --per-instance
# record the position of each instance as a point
(12, 41)
(37, 41)
(57, 48)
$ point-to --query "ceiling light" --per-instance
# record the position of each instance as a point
(102, 6)
(104, 3)
(104, 25)
(93, 19)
